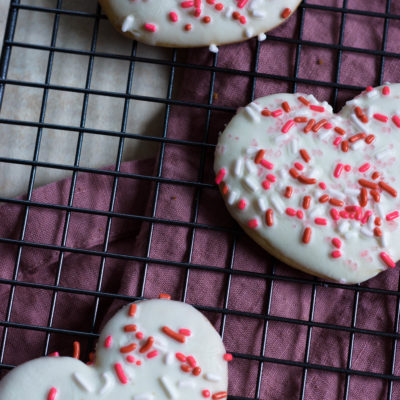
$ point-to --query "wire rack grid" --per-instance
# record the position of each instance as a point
(175, 63)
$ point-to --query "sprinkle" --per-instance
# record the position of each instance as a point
(52, 394)
(253, 223)
(289, 124)
(220, 176)
(120, 373)
(377, 232)
(241, 204)
(77, 350)
(365, 167)
(277, 113)
(128, 23)
(277, 203)
(164, 296)
(307, 235)
(347, 168)
(55, 354)
(357, 137)
(228, 357)
(286, 107)
(212, 377)
(317, 108)
(338, 170)
(305, 156)
(271, 178)
(306, 202)
(213, 48)
(288, 192)
(368, 184)
(185, 332)
(396, 120)
(285, 13)
(266, 185)
(393, 215)
(387, 259)
(82, 383)
(307, 181)
(206, 393)
(375, 175)
(168, 388)
(108, 342)
(337, 141)
(267, 164)
(252, 113)
(299, 214)
(238, 168)
(108, 382)
(186, 368)
(128, 348)
(150, 27)
(266, 112)
(152, 354)
(324, 198)
(336, 202)
(386, 91)
(176, 336)
(309, 126)
(336, 254)
(319, 125)
(339, 130)
(322, 185)
(293, 173)
(300, 119)
(290, 211)
(251, 183)
(345, 146)
(363, 197)
(384, 186)
(334, 214)
(321, 221)
(260, 155)
(269, 217)
(381, 118)
(337, 243)
(219, 395)
(148, 345)
(304, 101)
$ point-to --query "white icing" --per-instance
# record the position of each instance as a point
(283, 152)
(153, 379)
(221, 27)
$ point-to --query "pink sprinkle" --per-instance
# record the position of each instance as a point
(108, 342)
(365, 167)
(139, 335)
(286, 128)
(393, 215)
(52, 394)
(228, 357)
(334, 214)
(271, 177)
(347, 168)
(322, 185)
(266, 185)
(253, 223)
(120, 373)
(337, 243)
(299, 166)
(369, 89)
(337, 141)
(181, 357)
(396, 121)
(291, 212)
(317, 108)
(55, 354)
(152, 354)
(130, 359)
(336, 254)
(338, 170)
(328, 125)
(242, 204)
(220, 176)
(366, 216)
(277, 113)
(358, 215)
(187, 4)
(344, 214)
(381, 117)
(321, 221)
(299, 214)
(173, 16)
(150, 27)
(242, 3)
(387, 259)
(191, 361)
(185, 332)
(267, 164)
(386, 91)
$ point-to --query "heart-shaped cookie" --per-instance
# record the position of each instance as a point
(318, 190)
(155, 349)
(181, 23)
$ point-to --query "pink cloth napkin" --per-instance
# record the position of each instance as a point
(252, 295)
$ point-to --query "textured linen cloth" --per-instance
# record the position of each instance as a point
(243, 334)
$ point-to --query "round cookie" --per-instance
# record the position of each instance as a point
(155, 349)
(195, 23)
(318, 190)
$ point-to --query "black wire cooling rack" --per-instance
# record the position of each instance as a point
(174, 63)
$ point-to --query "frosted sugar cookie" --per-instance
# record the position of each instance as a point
(155, 349)
(194, 23)
(318, 190)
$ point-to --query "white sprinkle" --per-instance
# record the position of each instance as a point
(380, 210)
(232, 197)
(352, 192)
(128, 23)
(262, 204)
(251, 150)
(337, 194)
(258, 13)
(312, 99)
(281, 138)
(282, 173)
(212, 377)
(383, 154)
(355, 119)
(168, 388)
(213, 48)
(367, 232)
(143, 396)
(261, 37)
(384, 241)
(238, 167)
(249, 32)
(82, 382)
(371, 223)
(251, 184)
(358, 145)
(325, 135)
(252, 114)
(314, 172)
(350, 234)
(372, 93)
(278, 204)
(228, 11)
(315, 212)
(108, 382)
(343, 227)
(256, 106)
(294, 146)
(190, 384)
(251, 167)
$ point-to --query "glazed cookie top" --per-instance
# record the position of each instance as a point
(155, 349)
(317, 189)
(194, 23)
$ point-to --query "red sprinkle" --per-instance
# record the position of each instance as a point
(241, 204)
(266, 112)
(253, 223)
(228, 357)
(299, 214)
(387, 259)
(322, 185)
(108, 342)
(219, 395)
(368, 184)
(291, 212)
(271, 178)
(324, 198)
(288, 192)
(148, 345)
(173, 16)
(369, 139)
(299, 166)
(307, 235)
(259, 156)
(196, 371)
(52, 394)
(386, 91)
(304, 101)
(339, 130)
(307, 181)
(139, 335)
(336, 254)
(309, 125)
(345, 146)
(191, 361)
(132, 310)
(336, 202)
(185, 332)
(289, 124)
(220, 176)
(393, 215)
(384, 186)
(120, 373)
(300, 119)
(266, 185)
(130, 359)
(206, 394)
(152, 354)
(305, 156)
(306, 202)
(285, 106)
(335, 214)
(128, 348)
(77, 350)
(375, 175)
(277, 113)
(337, 141)
(173, 335)
(293, 172)
(317, 108)
(396, 120)
(269, 217)
(377, 232)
